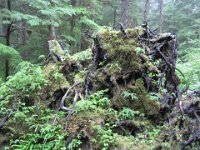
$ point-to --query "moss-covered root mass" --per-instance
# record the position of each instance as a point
(106, 98)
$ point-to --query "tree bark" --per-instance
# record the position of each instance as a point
(51, 27)
(7, 68)
(8, 3)
(7, 38)
(8, 26)
(52, 32)
(124, 12)
(114, 17)
(146, 10)
(23, 33)
(160, 3)
(8, 33)
(72, 20)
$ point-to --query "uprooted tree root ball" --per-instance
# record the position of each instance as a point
(122, 94)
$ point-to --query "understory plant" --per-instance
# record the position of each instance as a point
(43, 132)
(93, 102)
(23, 88)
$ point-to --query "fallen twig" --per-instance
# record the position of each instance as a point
(62, 106)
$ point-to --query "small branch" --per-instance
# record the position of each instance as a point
(166, 100)
(123, 30)
(147, 81)
(74, 106)
(62, 107)
(75, 98)
(165, 59)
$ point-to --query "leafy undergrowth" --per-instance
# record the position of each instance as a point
(96, 124)
(35, 126)
(189, 64)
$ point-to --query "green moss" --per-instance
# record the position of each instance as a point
(120, 49)
(142, 122)
(113, 68)
(79, 77)
(82, 56)
(149, 107)
(56, 80)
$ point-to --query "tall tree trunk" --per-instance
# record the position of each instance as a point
(146, 10)
(124, 12)
(114, 17)
(23, 33)
(7, 71)
(8, 26)
(4, 26)
(160, 3)
(7, 38)
(52, 32)
(72, 20)
(174, 16)
(8, 33)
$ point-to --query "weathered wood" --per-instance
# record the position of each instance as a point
(5, 119)
(62, 106)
